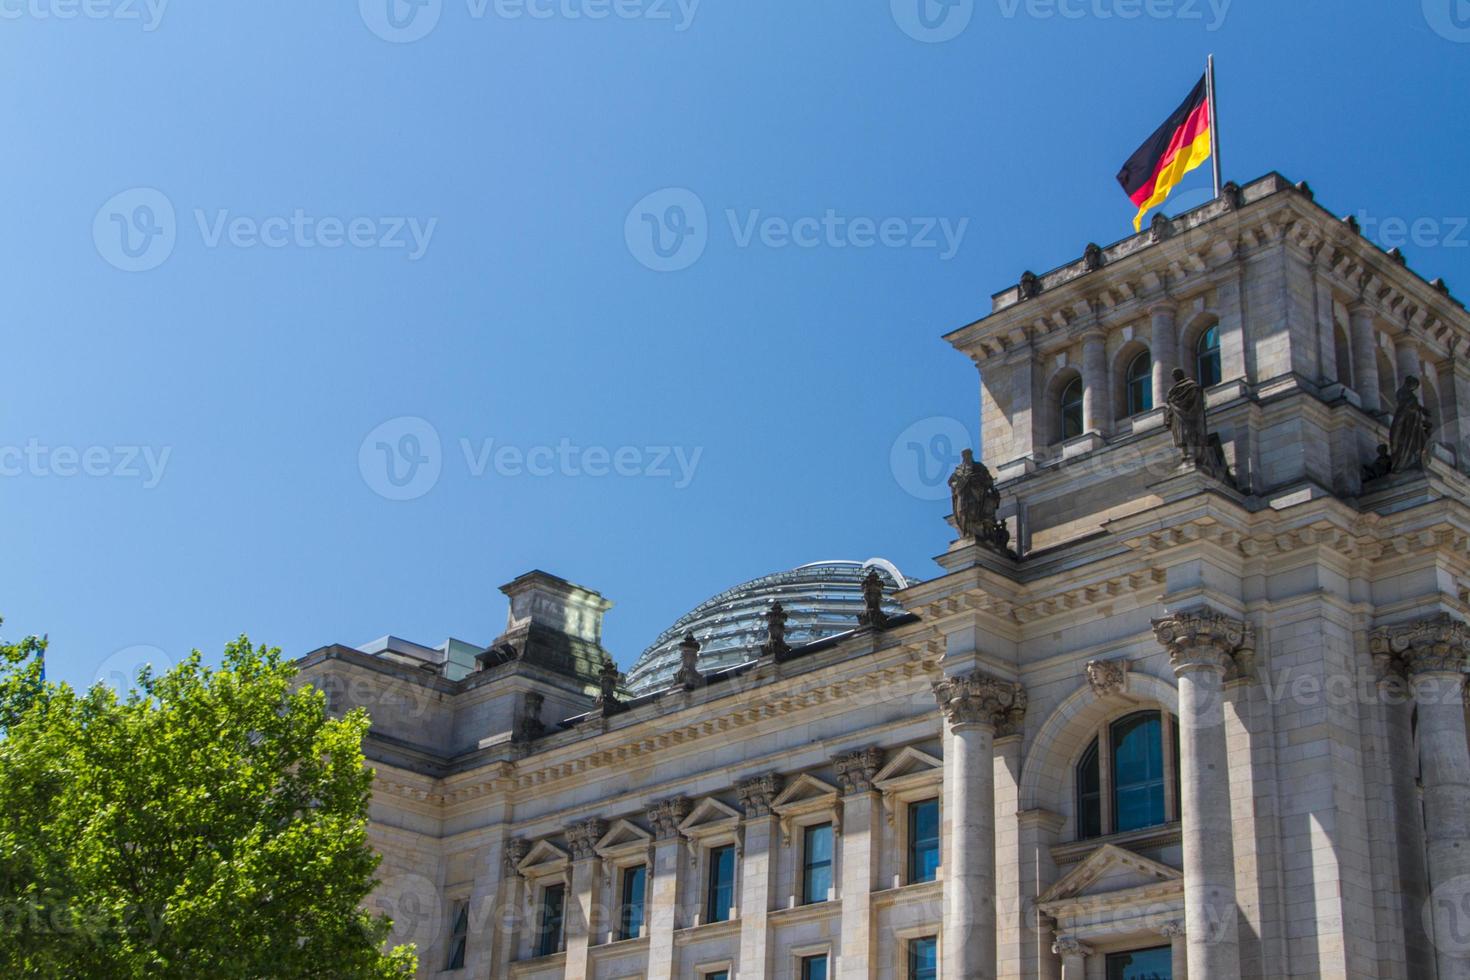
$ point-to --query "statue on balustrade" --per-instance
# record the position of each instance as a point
(1408, 437)
(976, 502)
(1185, 416)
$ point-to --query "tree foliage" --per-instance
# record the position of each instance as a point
(209, 823)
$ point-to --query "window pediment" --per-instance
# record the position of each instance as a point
(624, 839)
(544, 858)
(708, 818)
(1109, 877)
(805, 796)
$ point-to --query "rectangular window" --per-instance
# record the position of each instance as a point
(721, 884)
(924, 958)
(634, 880)
(718, 975)
(816, 863)
(923, 841)
(1142, 964)
(459, 930)
(814, 967)
(553, 910)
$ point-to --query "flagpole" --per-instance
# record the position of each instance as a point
(1214, 122)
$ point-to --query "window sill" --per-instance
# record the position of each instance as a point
(537, 963)
(919, 891)
(707, 930)
(1162, 835)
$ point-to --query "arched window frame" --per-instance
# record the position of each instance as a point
(1069, 409)
(1208, 369)
(1138, 383)
(1099, 752)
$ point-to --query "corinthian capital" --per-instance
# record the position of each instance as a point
(1070, 946)
(980, 699)
(1437, 645)
(583, 838)
(757, 793)
(666, 815)
(1205, 638)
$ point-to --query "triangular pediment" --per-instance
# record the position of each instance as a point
(803, 790)
(543, 856)
(623, 835)
(709, 814)
(1106, 870)
(907, 763)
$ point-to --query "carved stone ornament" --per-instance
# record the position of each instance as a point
(666, 815)
(1030, 285)
(1437, 645)
(1160, 228)
(1172, 929)
(607, 699)
(980, 699)
(1107, 678)
(757, 794)
(1092, 256)
(1230, 195)
(1205, 638)
(529, 726)
(1070, 946)
(582, 837)
(873, 615)
(775, 645)
(516, 850)
(855, 770)
(688, 676)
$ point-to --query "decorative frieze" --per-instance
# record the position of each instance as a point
(855, 770)
(583, 836)
(1107, 678)
(980, 699)
(757, 794)
(666, 815)
(1437, 645)
(1206, 638)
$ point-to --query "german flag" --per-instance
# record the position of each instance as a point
(1176, 148)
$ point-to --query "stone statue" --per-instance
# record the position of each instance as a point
(1408, 437)
(688, 676)
(1184, 414)
(775, 645)
(608, 681)
(1380, 467)
(976, 500)
(873, 614)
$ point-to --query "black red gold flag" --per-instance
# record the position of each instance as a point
(1176, 148)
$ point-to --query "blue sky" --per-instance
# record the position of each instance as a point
(371, 227)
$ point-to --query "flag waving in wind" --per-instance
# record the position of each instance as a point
(1177, 147)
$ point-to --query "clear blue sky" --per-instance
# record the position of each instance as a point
(530, 319)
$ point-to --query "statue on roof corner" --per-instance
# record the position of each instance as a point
(976, 502)
(776, 646)
(1184, 414)
(873, 615)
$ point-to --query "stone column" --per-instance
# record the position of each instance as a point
(581, 922)
(1203, 646)
(1095, 411)
(974, 705)
(1406, 358)
(662, 914)
(1433, 654)
(1365, 356)
(1074, 957)
(862, 826)
(507, 921)
(758, 873)
(1178, 948)
(1164, 349)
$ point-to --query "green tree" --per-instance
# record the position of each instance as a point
(210, 823)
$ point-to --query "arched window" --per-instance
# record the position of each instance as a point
(1128, 778)
(1071, 409)
(1387, 385)
(1207, 357)
(1344, 353)
(1139, 383)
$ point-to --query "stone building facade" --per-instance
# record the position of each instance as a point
(1193, 723)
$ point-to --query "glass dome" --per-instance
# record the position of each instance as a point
(821, 600)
